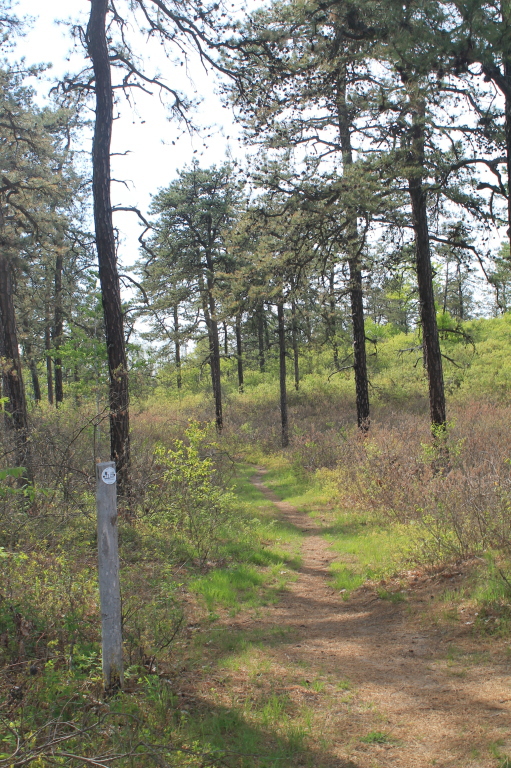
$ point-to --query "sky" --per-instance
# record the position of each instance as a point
(145, 132)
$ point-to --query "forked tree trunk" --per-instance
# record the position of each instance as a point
(431, 341)
(282, 373)
(105, 243)
(16, 417)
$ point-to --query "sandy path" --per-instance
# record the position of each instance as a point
(442, 695)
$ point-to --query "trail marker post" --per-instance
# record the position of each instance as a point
(109, 584)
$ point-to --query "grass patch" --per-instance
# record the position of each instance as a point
(393, 597)
(259, 564)
(367, 550)
(376, 737)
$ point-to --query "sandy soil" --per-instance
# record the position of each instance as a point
(435, 692)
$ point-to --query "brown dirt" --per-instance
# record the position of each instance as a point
(438, 693)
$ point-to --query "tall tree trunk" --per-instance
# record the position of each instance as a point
(461, 313)
(49, 361)
(105, 244)
(446, 287)
(32, 364)
(332, 321)
(209, 309)
(260, 337)
(294, 338)
(267, 343)
(34, 374)
(353, 248)
(16, 417)
(215, 365)
(506, 21)
(177, 346)
(214, 336)
(58, 328)
(282, 373)
(431, 341)
(226, 338)
(239, 353)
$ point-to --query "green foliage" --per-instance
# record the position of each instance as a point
(191, 500)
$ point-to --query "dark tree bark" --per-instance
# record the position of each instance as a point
(16, 417)
(214, 338)
(209, 309)
(49, 361)
(34, 374)
(32, 364)
(215, 365)
(177, 346)
(105, 243)
(260, 337)
(294, 338)
(239, 353)
(353, 247)
(58, 329)
(431, 341)
(267, 343)
(282, 371)
(226, 338)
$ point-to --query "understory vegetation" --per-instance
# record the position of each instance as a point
(200, 544)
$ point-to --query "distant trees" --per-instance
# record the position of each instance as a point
(189, 259)
(36, 187)
(371, 125)
(297, 71)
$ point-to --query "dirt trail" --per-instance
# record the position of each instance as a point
(440, 695)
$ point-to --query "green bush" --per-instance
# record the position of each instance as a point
(191, 498)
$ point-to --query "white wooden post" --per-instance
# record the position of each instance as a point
(108, 567)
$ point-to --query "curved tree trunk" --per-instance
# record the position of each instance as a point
(105, 244)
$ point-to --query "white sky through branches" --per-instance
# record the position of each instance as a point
(144, 131)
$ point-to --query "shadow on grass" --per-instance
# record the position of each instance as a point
(242, 743)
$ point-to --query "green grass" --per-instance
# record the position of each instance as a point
(376, 737)
(259, 563)
(304, 492)
(367, 551)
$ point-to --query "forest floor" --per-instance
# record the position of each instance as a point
(366, 681)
